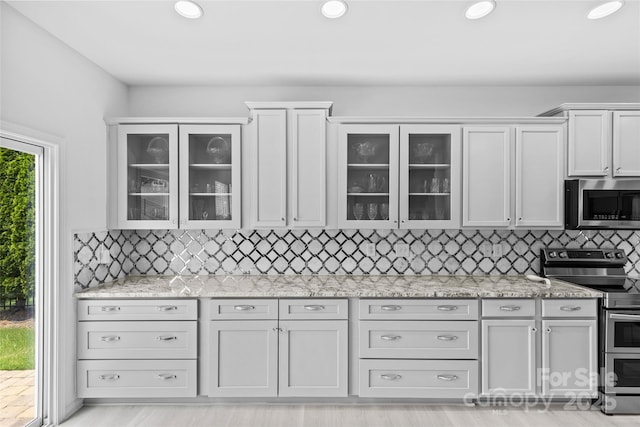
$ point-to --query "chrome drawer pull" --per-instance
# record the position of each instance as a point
(110, 338)
(447, 377)
(110, 308)
(244, 308)
(167, 308)
(391, 307)
(447, 307)
(570, 308)
(447, 337)
(314, 307)
(166, 377)
(109, 377)
(391, 377)
(166, 338)
(390, 337)
(509, 307)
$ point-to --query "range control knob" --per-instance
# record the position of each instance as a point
(609, 254)
(563, 255)
(619, 255)
(553, 254)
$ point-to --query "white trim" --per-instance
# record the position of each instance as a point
(446, 120)
(53, 302)
(261, 105)
(177, 120)
(591, 106)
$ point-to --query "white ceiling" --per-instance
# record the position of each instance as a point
(378, 42)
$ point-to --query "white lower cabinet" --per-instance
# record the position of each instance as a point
(551, 352)
(256, 355)
(145, 348)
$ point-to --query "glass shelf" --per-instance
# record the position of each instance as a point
(210, 166)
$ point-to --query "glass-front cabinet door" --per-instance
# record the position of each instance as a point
(209, 176)
(430, 176)
(148, 181)
(368, 176)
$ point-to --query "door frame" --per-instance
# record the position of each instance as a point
(46, 148)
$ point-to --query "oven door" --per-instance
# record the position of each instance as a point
(622, 331)
(622, 373)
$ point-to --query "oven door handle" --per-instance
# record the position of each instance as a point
(624, 316)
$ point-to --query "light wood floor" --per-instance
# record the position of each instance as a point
(340, 416)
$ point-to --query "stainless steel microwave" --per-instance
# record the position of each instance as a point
(602, 204)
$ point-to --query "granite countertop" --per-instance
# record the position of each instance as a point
(335, 286)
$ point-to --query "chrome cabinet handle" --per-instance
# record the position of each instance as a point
(282, 219)
(509, 307)
(618, 170)
(391, 307)
(508, 219)
(109, 377)
(390, 337)
(110, 308)
(166, 308)
(243, 307)
(606, 169)
(166, 338)
(314, 307)
(166, 377)
(447, 307)
(534, 329)
(447, 337)
(110, 338)
(570, 308)
(391, 377)
(447, 377)
(548, 330)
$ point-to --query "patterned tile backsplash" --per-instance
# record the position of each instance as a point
(458, 252)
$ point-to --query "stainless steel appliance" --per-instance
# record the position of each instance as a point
(619, 331)
(601, 204)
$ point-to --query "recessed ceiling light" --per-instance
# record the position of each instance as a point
(605, 9)
(480, 9)
(188, 9)
(334, 9)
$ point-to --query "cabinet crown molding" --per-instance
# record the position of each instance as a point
(620, 106)
(445, 120)
(177, 120)
(268, 105)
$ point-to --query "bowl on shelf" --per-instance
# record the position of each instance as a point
(422, 151)
(365, 150)
(218, 149)
(158, 149)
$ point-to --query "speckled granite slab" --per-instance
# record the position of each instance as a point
(335, 286)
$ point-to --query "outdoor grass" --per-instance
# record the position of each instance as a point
(16, 349)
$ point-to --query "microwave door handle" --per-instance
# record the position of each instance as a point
(625, 316)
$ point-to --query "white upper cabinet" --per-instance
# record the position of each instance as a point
(626, 143)
(210, 176)
(398, 176)
(489, 199)
(539, 176)
(147, 177)
(589, 142)
(486, 188)
(368, 176)
(603, 139)
(288, 164)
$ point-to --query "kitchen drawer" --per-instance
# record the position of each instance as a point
(138, 309)
(419, 339)
(503, 307)
(260, 309)
(419, 309)
(314, 309)
(569, 308)
(137, 340)
(137, 378)
(444, 379)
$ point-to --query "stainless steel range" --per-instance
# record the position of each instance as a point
(619, 331)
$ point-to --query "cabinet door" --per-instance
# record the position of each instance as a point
(368, 176)
(210, 176)
(508, 357)
(589, 143)
(270, 168)
(313, 358)
(569, 358)
(308, 165)
(486, 175)
(539, 176)
(243, 358)
(626, 143)
(429, 176)
(148, 183)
